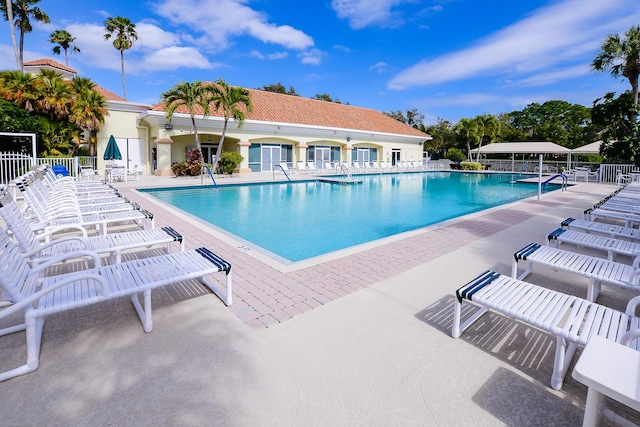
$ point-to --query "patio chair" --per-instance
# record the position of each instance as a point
(597, 270)
(118, 173)
(572, 320)
(301, 167)
(80, 187)
(66, 203)
(32, 246)
(132, 174)
(630, 219)
(64, 196)
(602, 228)
(609, 245)
(37, 296)
(88, 172)
(44, 221)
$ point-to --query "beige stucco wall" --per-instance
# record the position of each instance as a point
(122, 124)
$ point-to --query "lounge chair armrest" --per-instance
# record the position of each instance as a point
(53, 243)
(636, 262)
(632, 306)
(629, 336)
(49, 234)
(104, 290)
(69, 255)
(634, 278)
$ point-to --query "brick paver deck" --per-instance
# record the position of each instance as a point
(264, 296)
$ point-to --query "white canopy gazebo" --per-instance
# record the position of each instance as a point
(529, 147)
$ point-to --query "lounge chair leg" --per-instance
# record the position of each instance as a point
(455, 330)
(144, 313)
(33, 328)
(563, 356)
(594, 290)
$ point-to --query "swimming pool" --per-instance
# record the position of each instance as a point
(299, 220)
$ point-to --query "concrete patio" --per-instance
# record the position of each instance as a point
(361, 337)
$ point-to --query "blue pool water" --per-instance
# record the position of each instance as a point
(296, 221)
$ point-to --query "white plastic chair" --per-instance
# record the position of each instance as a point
(37, 296)
(572, 320)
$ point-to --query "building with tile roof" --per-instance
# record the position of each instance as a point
(281, 128)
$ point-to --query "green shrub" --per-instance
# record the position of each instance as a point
(229, 161)
(190, 167)
(455, 154)
(471, 166)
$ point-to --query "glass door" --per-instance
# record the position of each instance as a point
(323, 155)
(270, 157)
(363, 156)
(395, 156)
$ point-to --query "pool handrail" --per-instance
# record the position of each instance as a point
(283, 171)
(211, 175)
(558, 175)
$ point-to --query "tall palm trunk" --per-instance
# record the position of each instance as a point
(124, 86)
(13, 33)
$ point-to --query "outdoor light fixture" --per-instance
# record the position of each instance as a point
(168, 126)
(348, 138)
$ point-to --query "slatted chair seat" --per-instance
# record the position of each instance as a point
(572, 320)
(603, 228)
(86, 187)
(47, 222)
(37, 296)
(114, 244)
(609, 245)
(597, 270)
(629, 219)
(49, 202)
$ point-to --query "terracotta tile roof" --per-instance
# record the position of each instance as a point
(46, 62)
(108, 95)
(280, 108)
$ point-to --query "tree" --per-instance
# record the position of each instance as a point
(195, 99)
(565, 124)
(235, 103)
(621, 57)
(619, 134)
(9, 8)
(88, 109)
(279, 88)
(54, 95)
(326, 97)
(20, 88)
(23, 12)
(488, 127)
(65, 41)
(467, 129)
(124, 35)
(18, 120)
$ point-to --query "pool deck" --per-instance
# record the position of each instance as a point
(359, 337)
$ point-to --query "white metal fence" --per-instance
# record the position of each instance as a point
(12, 165)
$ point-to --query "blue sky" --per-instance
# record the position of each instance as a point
(445, 58)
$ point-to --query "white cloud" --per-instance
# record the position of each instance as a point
(172, 58)
(219, 20)
(543, 79)
(312, 57)
(151, 36)
(362, 13)
(270, 56)
(380, 67)
(550, 36)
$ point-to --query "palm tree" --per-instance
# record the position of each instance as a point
(54, 95)
(8, 7)
(65, 41)
(469, 129)
(621, 57)
(488, 126)
(124, 32)
(20, 88)
(88, 108)
(23, 11)
(235, 102)
(192, 97)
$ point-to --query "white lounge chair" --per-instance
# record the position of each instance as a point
(572, 320)
(609, 245)
(37, 296)
(629, 219)
(301, 167)
(46, 222)
(602, 228)
(597, 270)
(32, 246)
